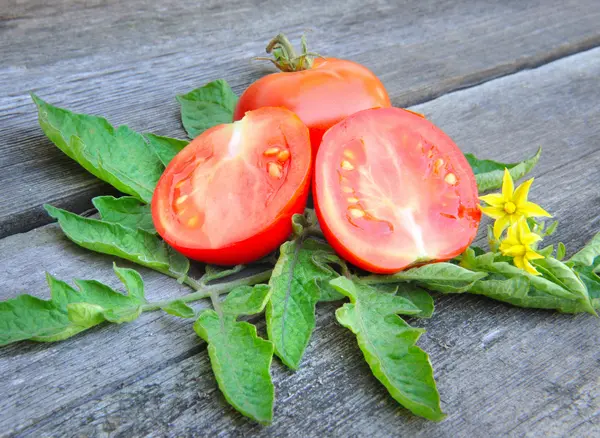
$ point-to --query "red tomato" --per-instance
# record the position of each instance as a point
(228, 197)
(331, 90)
(392, 190)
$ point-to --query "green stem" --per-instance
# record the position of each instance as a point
(212, 290)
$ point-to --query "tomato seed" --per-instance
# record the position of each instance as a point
(181, 199)
(192, 222)
(349, 154)
(356, 212)
(283, 156)
(271, 152)
(450, 179)
(347, 165)
(274, 170)
(438, 164)
(352, 200)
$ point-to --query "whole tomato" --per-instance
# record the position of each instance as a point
(321, 91)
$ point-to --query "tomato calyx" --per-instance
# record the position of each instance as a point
(285, 57)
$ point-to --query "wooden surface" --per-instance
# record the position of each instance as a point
(500, 370)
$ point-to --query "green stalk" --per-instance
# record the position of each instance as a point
(212, 290)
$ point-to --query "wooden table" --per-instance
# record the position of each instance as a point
(501, 78)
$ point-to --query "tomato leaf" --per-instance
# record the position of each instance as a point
(296, 284)
(126, 210)
(207, 106)
(559, 287)
(180, 309)
(592, 282)
(119, 156)
(240, 359)
(212, 273)
(589, 255)
(489, 173)
(135, 245)
(388, 344)
(441, 277)
(70, 310)
(165, 147)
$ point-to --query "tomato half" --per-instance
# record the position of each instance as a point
(228, 197)
(331, 90)
(392, 190)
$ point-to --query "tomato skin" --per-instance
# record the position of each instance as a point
(330, 91)
(446, 209)
(262, 205)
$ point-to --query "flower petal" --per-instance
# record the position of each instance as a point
(520, 195)
(512, 236)
(529, 267)
(530, 209)
(493, 212)
(494, 199)
(500, 225)
(532, 255)
(514, 251)
(508, 186)
(519, 262)
(530, 238)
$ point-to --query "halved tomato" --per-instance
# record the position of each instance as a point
(228, 197)
(392, 190)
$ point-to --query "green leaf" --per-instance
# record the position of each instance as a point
(419, 297)
(441, 277)
(135, 245)
(126, 211)
(119, 156)
(165, 147)
(557, 288)
(212, 273)
(561, 250)
(589, 255)
(592, 283)
(180, 309)
(207, 106)
(70, 310)
(296, 286)
(388, 344)
(489, 173)
(240, 359)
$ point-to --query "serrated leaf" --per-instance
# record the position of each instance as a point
(388, 345)
(135, 245)
(418, 297)
(589, 255)
(70, 310)
(119, 156)
(240, 359)
(441, 277)
(165, 147)
(557, 288)
(180, 309)
(489, 173)
(207, 106)
(295, 290)
(126, 210)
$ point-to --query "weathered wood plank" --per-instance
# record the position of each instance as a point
(126, 61)
(498, 367)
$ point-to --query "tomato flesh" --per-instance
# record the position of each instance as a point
(228, 197)
(321, 96)
(392, 191)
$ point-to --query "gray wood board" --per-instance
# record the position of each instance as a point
(127, 60)
(501, 370)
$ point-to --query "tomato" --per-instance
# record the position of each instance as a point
(392, 190)
(228, 197)
(329, 91)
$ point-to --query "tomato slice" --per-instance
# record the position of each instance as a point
(392, 190)
(228, 197)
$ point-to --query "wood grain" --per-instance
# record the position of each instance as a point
(501, 370)
(127, 60)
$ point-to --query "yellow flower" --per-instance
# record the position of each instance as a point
(510, 205)
(518, 246)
